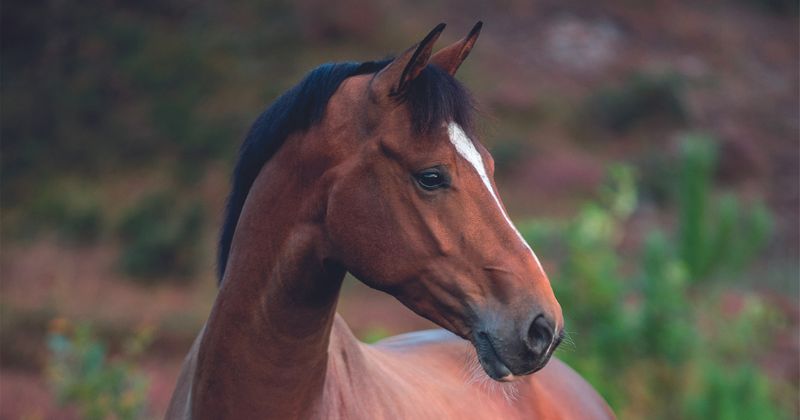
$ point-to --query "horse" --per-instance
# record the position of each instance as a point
(374, 169)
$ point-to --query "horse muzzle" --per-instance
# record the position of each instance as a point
(507, 350)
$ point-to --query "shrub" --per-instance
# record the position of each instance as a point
(160, 238)
(507, 153)
(81, 224)
(733, 393)
(713, 234)
(666, 323)
(74, 215)
(642, 97)
(82, 374)
(650, 342)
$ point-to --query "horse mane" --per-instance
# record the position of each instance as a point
(432, 98)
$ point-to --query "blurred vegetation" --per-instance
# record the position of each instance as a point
(714, 234)
(113, 93)
(74, 214)
(160, 238)
(84, 376)
(648, 332)
(108, 90)
(778, 7)
(642, 98)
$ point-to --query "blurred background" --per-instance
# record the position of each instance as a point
(648, 150)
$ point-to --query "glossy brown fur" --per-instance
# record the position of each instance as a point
(274, 347)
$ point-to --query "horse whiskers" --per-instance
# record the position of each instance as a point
(471, 366)
(474, 375)
(568, 340)
(510, 392)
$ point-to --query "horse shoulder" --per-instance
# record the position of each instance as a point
(566, 393)
(404, 376)
(557, 391)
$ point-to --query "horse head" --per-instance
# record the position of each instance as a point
(413, 210)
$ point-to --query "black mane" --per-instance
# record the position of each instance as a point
(433, 97)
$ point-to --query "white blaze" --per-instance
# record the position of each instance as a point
(467, 150)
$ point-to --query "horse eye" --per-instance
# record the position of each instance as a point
(431, 179)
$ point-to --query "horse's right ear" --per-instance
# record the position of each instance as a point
(394, 79)
(450, 58)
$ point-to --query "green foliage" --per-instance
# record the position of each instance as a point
(105, 85)
(160, 238)
(642, 97)
(733, 393)
(696, 176)
(729, 385)
(656, 176)
(652, 345)
(713, 234)
(75, 215)
(101, 388)
(666, 324)
(506, 153)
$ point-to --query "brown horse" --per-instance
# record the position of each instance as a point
(372, 168)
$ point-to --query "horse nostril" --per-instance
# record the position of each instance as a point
(540, 334)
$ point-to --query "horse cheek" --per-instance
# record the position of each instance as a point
(360, 225)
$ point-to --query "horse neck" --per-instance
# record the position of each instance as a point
(264, 351)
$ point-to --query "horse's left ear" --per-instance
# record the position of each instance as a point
(450, 58)
(394, 79)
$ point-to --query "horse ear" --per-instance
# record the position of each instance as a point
(450, 58)
(394, 79)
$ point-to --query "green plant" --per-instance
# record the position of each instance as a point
(123, 86)
(732, 393)
(642, 97)
(657, 174)
(650, 342)
(83, 375)
(506, 153)
(160, 238)
(75, 215)
(713, 234)
(666, 317)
